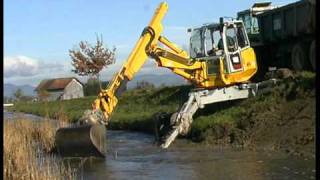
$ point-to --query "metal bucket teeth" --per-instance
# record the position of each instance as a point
(81, 141)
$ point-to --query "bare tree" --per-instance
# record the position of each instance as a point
(90, 60)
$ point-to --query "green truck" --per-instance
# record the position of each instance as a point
(282, 36)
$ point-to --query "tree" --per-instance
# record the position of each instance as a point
(92, 87)
(26, 98)
(18, 94)
(144, 85)
(89, 60)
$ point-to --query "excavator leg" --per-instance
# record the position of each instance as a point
(181, 121)
(87, 138)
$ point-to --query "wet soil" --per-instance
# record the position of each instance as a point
(286, 122)
(289, 126)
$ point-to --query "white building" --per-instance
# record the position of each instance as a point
(60, 89)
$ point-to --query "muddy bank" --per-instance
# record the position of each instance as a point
(281, 120)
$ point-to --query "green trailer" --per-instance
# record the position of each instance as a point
(283, 36)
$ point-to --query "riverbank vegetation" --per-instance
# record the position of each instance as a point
(235, 122)
(134, 111)
(26, 147)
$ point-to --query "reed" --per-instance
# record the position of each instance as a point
(26, 147)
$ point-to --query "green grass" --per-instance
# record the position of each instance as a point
(221, 119)
(136, 108)
(73, 109)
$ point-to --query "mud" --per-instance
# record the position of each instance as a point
(282, 120)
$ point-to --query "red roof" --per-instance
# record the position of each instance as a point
(55, 84)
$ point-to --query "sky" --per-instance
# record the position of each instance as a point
(39, 33)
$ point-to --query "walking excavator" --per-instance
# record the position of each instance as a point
(220, 65)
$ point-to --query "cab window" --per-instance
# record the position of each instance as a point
(231, 37)
(242, 38)
(196, 49)
(208, 42)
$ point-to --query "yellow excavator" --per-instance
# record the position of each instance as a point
(220, 65)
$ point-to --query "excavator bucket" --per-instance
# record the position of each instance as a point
(81, 141)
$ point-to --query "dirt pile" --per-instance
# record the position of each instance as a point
(288, 123)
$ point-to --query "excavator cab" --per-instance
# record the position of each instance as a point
(225, 45)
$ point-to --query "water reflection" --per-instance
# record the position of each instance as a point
(133, 155)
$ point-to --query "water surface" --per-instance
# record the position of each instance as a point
(133, 155)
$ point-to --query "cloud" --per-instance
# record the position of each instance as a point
(20, 66)
(25, 70)
(23, 66)
(52, 67)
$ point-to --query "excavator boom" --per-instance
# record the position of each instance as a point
(147, 46)
(108, 99)
(207, 72)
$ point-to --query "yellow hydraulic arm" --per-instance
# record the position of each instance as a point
(145, 47)
(207, 72)
(171, 57)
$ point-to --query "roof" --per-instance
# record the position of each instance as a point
(261, 4)
(55, 84)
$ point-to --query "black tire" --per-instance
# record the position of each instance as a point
(298, 57)
(312, 55)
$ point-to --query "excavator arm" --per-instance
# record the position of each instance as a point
(147, 46)
(221, 85)
(88, 137)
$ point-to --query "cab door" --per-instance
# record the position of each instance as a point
(232, 49)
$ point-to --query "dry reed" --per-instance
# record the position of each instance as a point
(26, 147)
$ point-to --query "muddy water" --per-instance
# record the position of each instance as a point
(133, 155)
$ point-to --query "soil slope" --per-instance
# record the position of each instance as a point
(284, 120)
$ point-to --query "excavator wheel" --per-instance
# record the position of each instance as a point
(81, 141)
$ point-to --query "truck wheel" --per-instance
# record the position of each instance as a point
(298, 57)
(312, 55)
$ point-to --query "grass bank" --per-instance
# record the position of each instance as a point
(134, 111)
(283, 119)
(252, 122)
(25, 146)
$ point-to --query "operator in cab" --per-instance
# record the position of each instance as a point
(219, 49)
(230, 42)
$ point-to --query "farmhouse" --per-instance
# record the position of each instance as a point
(60, 89)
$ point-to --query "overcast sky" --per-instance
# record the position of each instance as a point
(39, 33)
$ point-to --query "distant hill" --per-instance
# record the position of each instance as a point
(10, 89)
(158, 80)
